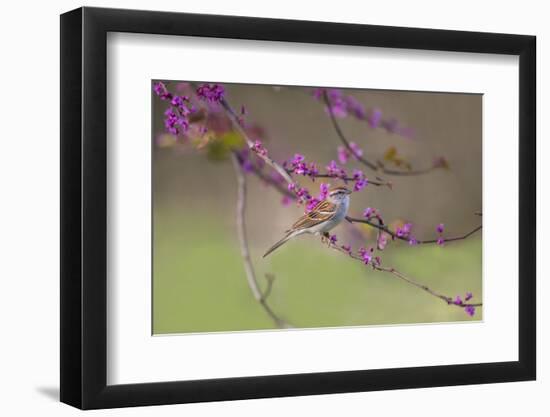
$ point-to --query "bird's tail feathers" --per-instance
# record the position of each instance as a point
(279, 243)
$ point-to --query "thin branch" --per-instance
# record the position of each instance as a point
(285, 173)
(452, 239)
(343, 138)
(379, 225)
(447, 299)
(250, 143)
(393, 271)
(382, 227)
(235, 121)
(264, 177)
(245, 253)
(388, 184)
(377, 167)
(270, 278)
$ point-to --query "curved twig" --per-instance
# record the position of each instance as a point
(237, 124)
(266, 178)
(447, 299)
(377, 167)
(285, 173)
(346, 179)
(259, 296)
(393, 271)
(385, 229)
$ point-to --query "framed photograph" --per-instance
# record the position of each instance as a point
(258, 208)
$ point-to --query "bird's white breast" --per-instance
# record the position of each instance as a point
(341, 213)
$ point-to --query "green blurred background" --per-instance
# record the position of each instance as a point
(199, 284)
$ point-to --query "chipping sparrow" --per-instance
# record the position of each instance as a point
(326, 215)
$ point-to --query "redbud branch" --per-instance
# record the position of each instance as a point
(378, 225)
(393, 271)
(269, 278)
(250, 143)
(447, 299)
(286, 174)
(235, 121)
(343, 138)
(385, 228)
(345, 179)
(266, 178)
(245, 253)
(375, 167)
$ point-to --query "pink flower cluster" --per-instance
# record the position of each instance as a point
(299, 166)
(176, 117)
(404, 231)
(367, 255)
(342, 105)
(323, 193)
(469, 309)
(302, 194)
(211, 92)
(334, 170)
(440, 228)
(259, 148)
(344, 154)
(371, 212)
(360, 180)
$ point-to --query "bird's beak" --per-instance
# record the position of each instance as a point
(348, 191)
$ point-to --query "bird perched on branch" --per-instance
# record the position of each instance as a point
(326, 215)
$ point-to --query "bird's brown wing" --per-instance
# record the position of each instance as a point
(323, 211)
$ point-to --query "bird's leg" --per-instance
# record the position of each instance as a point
(325, 238)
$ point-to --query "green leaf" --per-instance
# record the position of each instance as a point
(218, 149)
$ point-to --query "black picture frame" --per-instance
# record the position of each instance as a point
(84, 207)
